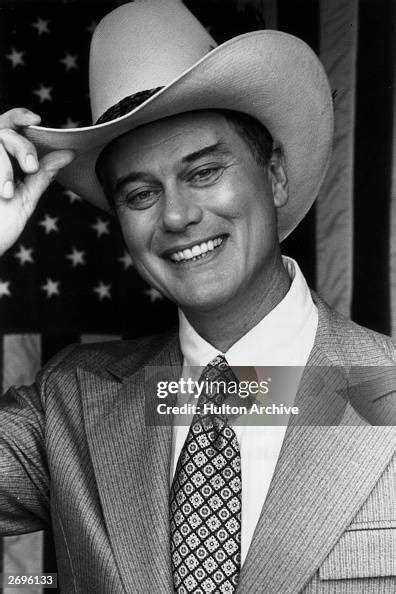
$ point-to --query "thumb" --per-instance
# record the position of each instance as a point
(35, 184)
(56, 160)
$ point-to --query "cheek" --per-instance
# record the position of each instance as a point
(249, 212)
(135, 235)
(229, 200)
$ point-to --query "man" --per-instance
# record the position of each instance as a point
(209, 157)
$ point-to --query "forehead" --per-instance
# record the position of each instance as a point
(171, 138)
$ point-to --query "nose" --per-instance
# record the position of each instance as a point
(179, 210)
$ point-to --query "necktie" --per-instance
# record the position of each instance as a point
(205, 498)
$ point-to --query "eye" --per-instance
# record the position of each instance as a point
(207, 174)
(139, 199)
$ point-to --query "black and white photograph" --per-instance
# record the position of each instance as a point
(197, 296)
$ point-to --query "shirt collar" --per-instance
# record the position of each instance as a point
(283, 337)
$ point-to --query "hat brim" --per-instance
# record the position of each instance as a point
(272, 76)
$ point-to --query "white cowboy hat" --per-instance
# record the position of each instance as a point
(151, 59)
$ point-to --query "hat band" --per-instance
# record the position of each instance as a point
(126, 105)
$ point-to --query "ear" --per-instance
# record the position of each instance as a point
(278, 178)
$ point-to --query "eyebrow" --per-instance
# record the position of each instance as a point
(216, 149)
(219, 148)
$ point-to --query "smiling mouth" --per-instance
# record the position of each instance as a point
(197, 251)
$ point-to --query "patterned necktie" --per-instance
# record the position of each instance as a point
(205, 498)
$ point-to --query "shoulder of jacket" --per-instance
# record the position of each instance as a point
(369, 347)
(358, 344)
(99, 355)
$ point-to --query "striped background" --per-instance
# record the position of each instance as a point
(347, 244)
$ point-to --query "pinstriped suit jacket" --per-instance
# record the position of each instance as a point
(75, 451)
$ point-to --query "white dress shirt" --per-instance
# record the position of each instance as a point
(283, 337)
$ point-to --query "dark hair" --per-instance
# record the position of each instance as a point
(253, 133)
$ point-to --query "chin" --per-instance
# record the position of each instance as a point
(203, 301)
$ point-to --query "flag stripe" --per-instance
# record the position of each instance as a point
(373, 150)
(1, 386)
(49, 554)
(54, 342)
(21, 361)
(334, 208)
(2, 364)
(301, 18)
(86, 338)
(393, 201)
(270, 12)
(21, 358)
(23, 555)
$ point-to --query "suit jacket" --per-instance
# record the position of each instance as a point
(75, 451)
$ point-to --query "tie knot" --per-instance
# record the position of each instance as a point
(220, 362)
(217, 376)
(218, 369)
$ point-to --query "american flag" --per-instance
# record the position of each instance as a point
(69, 277)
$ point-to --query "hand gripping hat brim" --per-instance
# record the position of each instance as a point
(153, 58)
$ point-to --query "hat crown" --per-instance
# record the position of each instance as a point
(140, 46)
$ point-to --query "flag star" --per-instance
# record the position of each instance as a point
(71, 123)
(101, 227)
(24, 255)
(4, 289)
(43, 93)
(103, 291)
(69, 61)
(154, 295)
(41, 25)
(51, 287)
(73, 197)
(49, 224)
(16, 58)
(76, 257)
(126, 261)
(92, 26)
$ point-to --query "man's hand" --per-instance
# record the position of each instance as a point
(18, 198)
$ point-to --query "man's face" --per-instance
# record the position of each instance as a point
(196, 210)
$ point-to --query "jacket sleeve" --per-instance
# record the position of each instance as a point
(24, 476)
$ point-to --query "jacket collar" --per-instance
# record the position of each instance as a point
(165, 351)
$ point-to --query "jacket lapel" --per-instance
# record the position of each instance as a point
(132, 464)
(323, 476)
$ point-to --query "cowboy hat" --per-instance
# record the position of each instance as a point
(151, 59)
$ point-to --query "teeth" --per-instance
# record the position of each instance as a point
(197, 250)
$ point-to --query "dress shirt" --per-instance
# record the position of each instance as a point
(283, 337)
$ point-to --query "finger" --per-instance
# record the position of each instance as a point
(56, 160)
(19, 116)
(35, 184)
(6, 175)
(21, 148)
